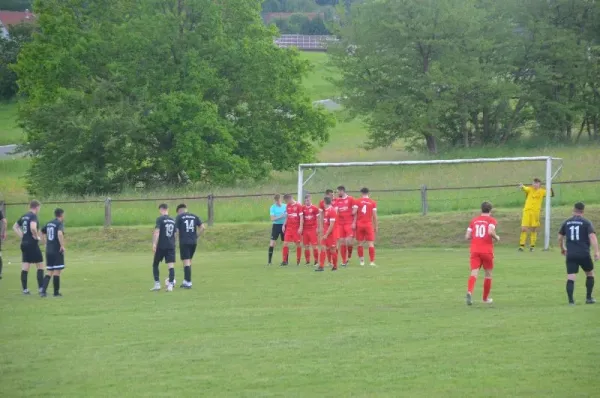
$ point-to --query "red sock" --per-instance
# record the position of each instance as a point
(372, 254)
(344, 250)
(328, 256)
(286, 253)
(298, 254)
(307, 255)
(361, 251)
(316, 254)
(334, 258)
(322, 258)
(487, 286)
(471, 285)
(350, 247)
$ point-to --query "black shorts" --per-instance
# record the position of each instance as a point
(164, 254)
(32, 254)
(187, 250)
(55, 261)
(277, 232)
(584, 261)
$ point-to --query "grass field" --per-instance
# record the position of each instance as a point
(246, 330)
(10, 133)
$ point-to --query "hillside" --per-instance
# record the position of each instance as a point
(346, 141)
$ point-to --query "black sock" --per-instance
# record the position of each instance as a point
(171, 275)
(270, 254)
(155, 272)
(56, 284)
(46, 283)
(589, 285)
(40, 278)
(0, 263)
(24, 279)
(187, 273)
(570, 289)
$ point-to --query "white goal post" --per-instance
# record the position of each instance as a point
(547, 159)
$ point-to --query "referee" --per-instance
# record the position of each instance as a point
(278, 215)
(578, 234)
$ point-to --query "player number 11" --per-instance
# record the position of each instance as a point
(574, 232)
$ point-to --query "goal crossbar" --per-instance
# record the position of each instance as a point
(547, 159)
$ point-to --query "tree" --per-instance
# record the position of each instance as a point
(160, 92)
(405, 62)
(9, 50)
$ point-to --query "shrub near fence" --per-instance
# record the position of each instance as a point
(251, 208)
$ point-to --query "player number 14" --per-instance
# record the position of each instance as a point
(189, 225)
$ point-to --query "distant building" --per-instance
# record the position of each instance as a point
(270, 16)
(9, 18)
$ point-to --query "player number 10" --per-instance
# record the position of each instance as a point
(480, 231)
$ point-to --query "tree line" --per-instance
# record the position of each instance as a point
(463, 73)
(121, 93)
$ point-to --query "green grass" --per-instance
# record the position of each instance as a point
(10, 133)
(318, 81)
(245, 330)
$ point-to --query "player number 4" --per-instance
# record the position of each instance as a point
(574, 232)
(480, 231)
(364, 209)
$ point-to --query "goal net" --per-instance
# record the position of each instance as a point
(435, 186)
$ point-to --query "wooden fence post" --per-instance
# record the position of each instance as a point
(211, 210)
(107, 213)
(424, 204)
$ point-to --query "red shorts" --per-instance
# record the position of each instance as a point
(291, 234)
(345, 231)
(330, 241)
(365, 233)
(485, 260)
(309, 236)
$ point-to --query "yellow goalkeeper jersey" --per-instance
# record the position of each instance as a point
(534, 198)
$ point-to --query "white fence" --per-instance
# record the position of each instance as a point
(305, 42)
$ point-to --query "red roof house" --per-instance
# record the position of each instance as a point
(8, 18)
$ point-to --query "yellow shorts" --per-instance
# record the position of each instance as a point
(531, 219)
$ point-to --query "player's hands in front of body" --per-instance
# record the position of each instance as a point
(325, 236)
(299, 231)
(354, 226)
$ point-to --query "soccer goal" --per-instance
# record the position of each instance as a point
(447, 179)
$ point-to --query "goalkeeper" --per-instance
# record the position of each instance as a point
(534, 197)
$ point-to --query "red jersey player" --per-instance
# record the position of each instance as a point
(292, 228)
(328, 194)
(482, 233)
(309, 234)
(343, 204)
(330, 235)
(365, 225)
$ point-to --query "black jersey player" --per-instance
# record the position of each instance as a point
(27, 229)
(54, 236)
(189, 226)
(163, 246)
(578, 233)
